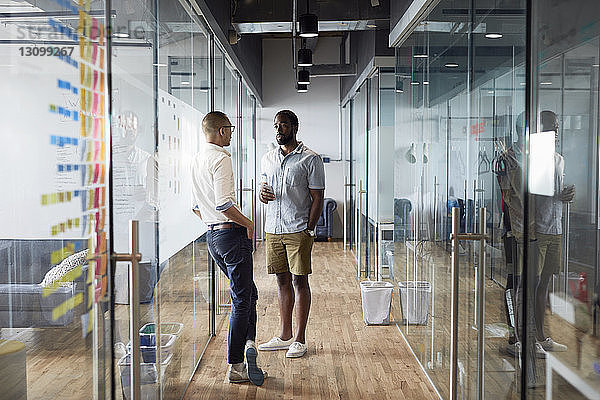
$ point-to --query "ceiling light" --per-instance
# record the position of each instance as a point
(490, 92)
(451, 65)
(159, 65)
(185, 82)
(545, 83)
(493, 35)
(414, 83)
(426, 83)
(305, 58)
(420, 56)
(371, 26)
(303, 77)
(309, 25)
(399, 85)
(121, 34)
(596, 65)
(302, 88)
(522, 83)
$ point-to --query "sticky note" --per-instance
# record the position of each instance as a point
(95, 105)
(94, 30)
(94, 57)
(97, 197)
(66, 306)
(102, 174)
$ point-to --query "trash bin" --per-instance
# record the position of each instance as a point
(415, 297)
(376, 302)
(148, 377)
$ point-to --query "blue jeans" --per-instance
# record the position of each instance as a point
(232, 251)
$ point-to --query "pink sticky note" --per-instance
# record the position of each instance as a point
(95, 72)
(94, 55)
(96, 173)
(95, 106)
(96, 150)
(96, 197)
(94, 32)
(96, 125)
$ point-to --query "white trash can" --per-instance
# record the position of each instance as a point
(376, 302)
(415, 297)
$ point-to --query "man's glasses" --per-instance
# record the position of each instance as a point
(230, 127)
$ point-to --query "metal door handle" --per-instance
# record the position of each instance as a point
(455, 236)
(359, 219)
(133, 257)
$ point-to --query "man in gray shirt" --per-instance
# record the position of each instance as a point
(293, 185)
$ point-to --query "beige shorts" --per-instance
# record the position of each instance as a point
(289, 252)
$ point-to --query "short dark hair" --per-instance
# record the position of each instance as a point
(290, 114)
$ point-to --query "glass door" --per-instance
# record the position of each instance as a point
(359, 176)
(372, 173)
(160, 94)
(248, 155)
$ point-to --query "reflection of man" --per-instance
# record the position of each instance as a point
(293, 182)
(548, 227)
(134, 172)
(229, 242)
(509, 171)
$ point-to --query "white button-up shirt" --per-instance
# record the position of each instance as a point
(291, 177)
(213, 189)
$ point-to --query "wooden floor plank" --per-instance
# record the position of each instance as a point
(345, 360)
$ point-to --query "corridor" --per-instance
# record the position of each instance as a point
(345, 360)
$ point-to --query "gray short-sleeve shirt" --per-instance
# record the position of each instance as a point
(291, 177)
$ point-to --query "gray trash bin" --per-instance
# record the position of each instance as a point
(376, 302)
(415, 297)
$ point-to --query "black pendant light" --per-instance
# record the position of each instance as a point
(303, 77)
(309, 24)
(305, 58)
(301, 88)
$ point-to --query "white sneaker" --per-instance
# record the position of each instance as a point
(515, 350)
(551, 345)
(276, 344)
(296, 350)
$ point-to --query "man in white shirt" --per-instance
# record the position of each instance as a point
(229, 240)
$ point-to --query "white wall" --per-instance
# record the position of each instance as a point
(317, 110)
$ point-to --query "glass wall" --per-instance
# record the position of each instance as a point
(112, 125)
(54, 211)
(511, 145)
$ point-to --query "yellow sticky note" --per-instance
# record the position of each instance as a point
(67, 305)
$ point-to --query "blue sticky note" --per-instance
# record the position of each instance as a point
(53, 139)
(61, 168)
(75, 116)
(69, 167)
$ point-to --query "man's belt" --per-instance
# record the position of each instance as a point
(224, 225)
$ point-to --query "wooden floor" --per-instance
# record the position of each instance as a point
(345, 360)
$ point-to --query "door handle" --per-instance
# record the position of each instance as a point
(133, 257)
(482, 237)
